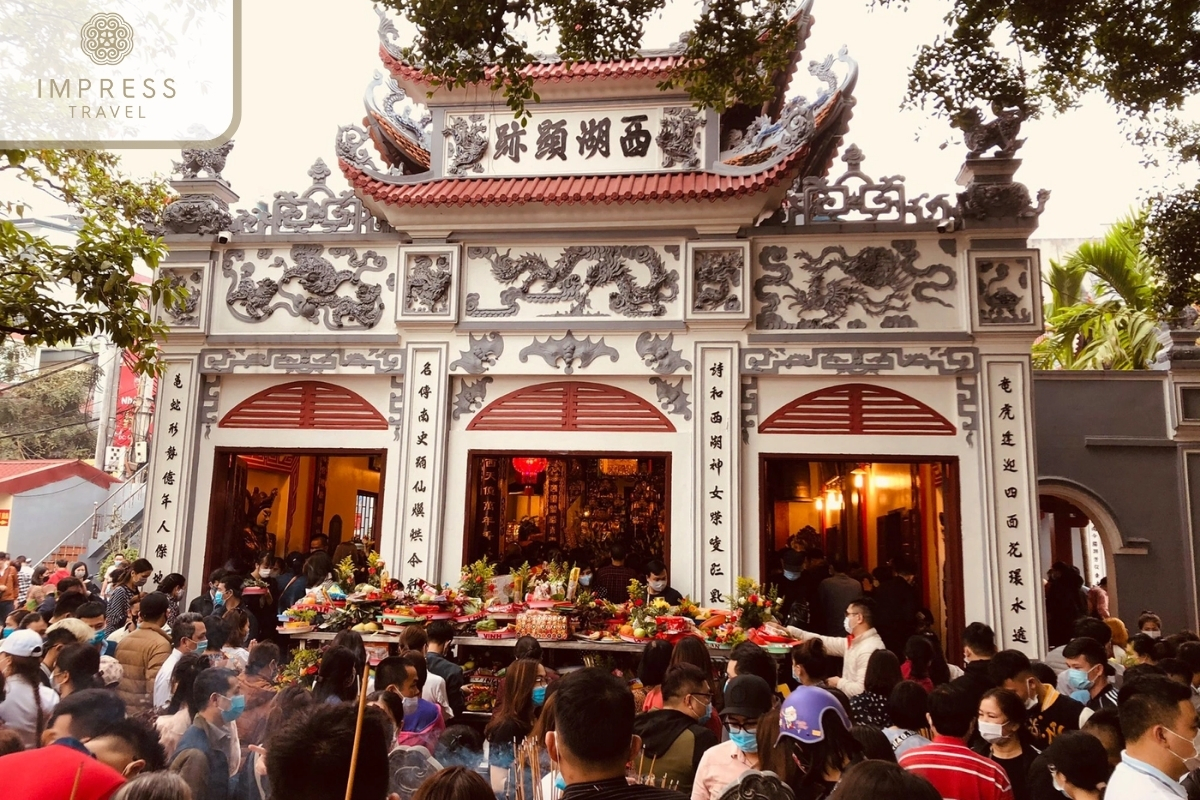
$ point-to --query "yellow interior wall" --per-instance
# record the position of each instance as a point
(297, 535)
(347, 476)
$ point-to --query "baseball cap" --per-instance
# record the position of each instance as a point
(78, 628)
(22, 643)
(747, 696)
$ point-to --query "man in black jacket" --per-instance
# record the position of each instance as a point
(896, 600)
(674, 737)
(592, 766)
(979, 645)
(440, 633)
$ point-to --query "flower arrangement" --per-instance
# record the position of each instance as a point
(349, 573)
(592, 612)
(641, 623)
(549, 582)
(302, 669)
(476, 580)
(753, 603)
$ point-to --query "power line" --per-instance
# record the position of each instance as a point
(47, 430)
(40, 376)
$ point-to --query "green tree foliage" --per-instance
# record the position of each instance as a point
(1100, 313)
(732, 53)
(45, 414)
(59, 294)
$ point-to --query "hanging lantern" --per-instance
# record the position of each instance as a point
(529, 468)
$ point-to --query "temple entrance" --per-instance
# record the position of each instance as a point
(874, 514)
(1077, 529)
(532, 506)
(276, 501)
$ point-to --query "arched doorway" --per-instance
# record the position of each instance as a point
(1067, 509)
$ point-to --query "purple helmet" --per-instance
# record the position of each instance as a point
(801, 714)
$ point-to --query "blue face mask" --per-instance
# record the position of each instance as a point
(791, 576)
(98, 637)
(219, 598)
(560, 783)
(706, 715)
(7, 631)
(539, 695)
(236, 706)
(1078, 679)
(201, 646)
(746, 741)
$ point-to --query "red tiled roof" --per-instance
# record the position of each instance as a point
(554, 72)
(658, 187)
(22, 476)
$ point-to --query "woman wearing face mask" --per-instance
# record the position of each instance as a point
(810, 665)
(80, 570)
(172, 587)
(127, 583)
(813, 745)
(524, 693)
(747, 698)
(337, 677)
(1001, 724)
(1150, 624)
(176, 718)
(1078, 765)
(76, 669)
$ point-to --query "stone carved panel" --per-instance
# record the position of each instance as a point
(482, 353)
(185, 314)
(315, 210)
(568, 350)
(679, 137)
(1006, 289)
(580, 281)
(878, 286)
(468, 143)
(334, 291)
(719, 278)
(672, 397)
(429, 284)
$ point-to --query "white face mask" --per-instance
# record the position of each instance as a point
(264, 573)
(1032, 702)
(1153, 634)
(410, 705)
(991, 731)
(657, 586)
(1195, 746)
(848, 625)
(1059, 786)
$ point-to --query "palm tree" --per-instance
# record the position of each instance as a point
(1100, 312)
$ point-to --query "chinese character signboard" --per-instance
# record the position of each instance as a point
(1012, 486)
(717, 445)
(422, 453)
(595, 141)
(170, 469)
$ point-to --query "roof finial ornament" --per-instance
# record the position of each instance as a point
(1000, 132)
(198, 159)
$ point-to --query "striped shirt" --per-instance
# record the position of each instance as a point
(956, 772)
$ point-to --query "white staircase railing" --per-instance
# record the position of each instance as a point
(108, 516)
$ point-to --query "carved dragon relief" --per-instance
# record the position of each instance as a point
(679, 137)
(427, 284)
(468, 144)
(561, 283)
(715, 274)
(482, 352)
(568, 350)
(672, 398)
(881, 282)
(184, 312)
(251, 300)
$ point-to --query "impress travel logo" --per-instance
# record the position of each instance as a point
(119, 73)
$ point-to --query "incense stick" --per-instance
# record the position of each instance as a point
(75, 786)
(362, 707)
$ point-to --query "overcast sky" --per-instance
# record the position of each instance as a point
(306, 64)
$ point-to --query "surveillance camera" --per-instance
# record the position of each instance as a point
(223, 237)
(946, 226)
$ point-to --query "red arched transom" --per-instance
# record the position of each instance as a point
(858, 409)
(311, 405)
(570, 406)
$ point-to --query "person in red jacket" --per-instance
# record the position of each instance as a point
(953, 769)
(60, 572)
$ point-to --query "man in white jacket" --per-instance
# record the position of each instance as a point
(855, 649)
(1161, 729)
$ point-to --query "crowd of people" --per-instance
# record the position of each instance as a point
(110, 691)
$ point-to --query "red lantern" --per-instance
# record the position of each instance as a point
(529, 468)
